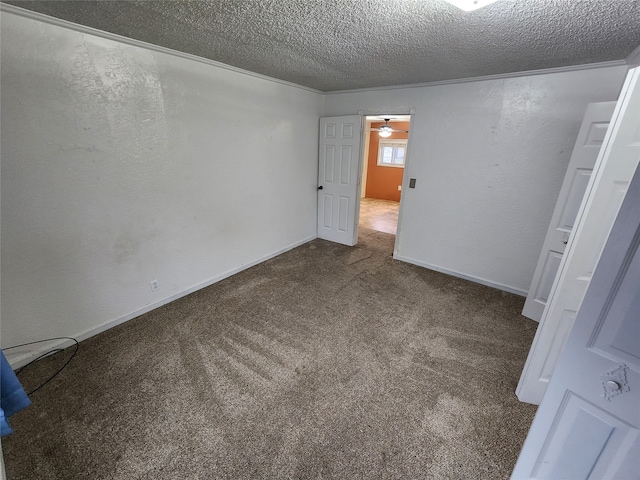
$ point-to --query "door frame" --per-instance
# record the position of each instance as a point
(405, 179)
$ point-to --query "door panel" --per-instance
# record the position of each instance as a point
(340, 139)
(613, 170)
(329, 162)
(567, 317)
(548, 275)
(343, 214)
(568, 455)
(585, 152)
(588, 424)
(579, 184)
(345, 165)
(328, 211)
(622, 337)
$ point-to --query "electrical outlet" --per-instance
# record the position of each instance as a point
(154, 285)
(399, 188)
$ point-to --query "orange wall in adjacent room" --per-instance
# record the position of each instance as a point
(382, 182)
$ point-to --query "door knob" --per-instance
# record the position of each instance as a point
(615, 382)
(320, 187)
(612, 385)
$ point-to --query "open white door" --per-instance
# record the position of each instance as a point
(588, 425)
(338, 178)
(585, 152)
(612, 173)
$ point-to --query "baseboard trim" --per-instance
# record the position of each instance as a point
(482, 281)
(22, 359)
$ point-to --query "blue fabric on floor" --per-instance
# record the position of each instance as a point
(5, 428)
(12, 396)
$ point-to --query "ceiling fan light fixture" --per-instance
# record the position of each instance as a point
(470, 5)
(385, 130)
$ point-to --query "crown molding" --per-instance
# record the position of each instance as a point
(633, 60)
(6, 8)
(498, 76)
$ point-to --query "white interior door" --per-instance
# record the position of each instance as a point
(612, 173)
(585, 152)
(588, 425)
(338, 178)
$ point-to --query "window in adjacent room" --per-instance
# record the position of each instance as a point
(391, 153)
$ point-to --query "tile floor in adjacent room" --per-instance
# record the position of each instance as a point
(379, 215)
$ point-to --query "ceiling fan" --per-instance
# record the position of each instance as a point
(386, 130)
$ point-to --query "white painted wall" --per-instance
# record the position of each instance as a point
(121, 165)
(489, 158)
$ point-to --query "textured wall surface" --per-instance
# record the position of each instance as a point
(343, 44)
(489, 158)
(121, 166)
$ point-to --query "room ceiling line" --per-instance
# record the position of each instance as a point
(4, 7)
(341, 45)
(18, 10)
(633, 59)
(497, 76)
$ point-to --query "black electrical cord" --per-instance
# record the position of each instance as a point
(45, 355)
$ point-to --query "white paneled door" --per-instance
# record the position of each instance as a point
(588, 425)
(612, 173)
(339, 178)
(585, 152)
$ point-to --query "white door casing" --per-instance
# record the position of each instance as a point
(585, 152)
(588, 425)
(617, 160)
(339, 178)
(365, 159)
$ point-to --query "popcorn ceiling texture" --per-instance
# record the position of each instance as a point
(342, 44)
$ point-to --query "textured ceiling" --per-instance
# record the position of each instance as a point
(344, 44)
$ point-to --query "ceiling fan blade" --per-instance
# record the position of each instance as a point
(392, 130)
(387, 128)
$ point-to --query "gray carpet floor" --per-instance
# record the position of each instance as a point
(325, 362)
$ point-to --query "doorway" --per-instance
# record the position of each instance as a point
(384, 156)
(344, 176)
